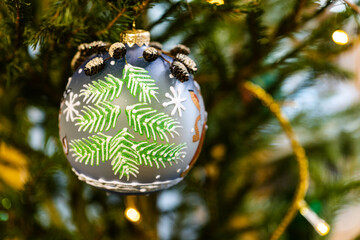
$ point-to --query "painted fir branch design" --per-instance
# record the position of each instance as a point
(125, 153)
(99, 118)
(99, 114)
(145, 119)
(91, 150)
(152, 153)
(140, 83)
(102, 90)
(125, 159)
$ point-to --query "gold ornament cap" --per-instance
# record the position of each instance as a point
(135, 36)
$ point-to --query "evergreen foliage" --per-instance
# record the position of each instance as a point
(243, 181)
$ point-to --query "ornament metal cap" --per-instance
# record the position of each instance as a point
(135, 36)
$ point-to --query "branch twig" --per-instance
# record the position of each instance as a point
(17, 22)
(352, 6)
(141, 8)
(112, 22)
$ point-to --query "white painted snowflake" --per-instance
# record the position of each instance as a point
(70, 111)
(176, 100)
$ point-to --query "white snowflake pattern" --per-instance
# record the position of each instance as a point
(70, 111)
(176, 100)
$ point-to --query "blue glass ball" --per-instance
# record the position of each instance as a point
(132, 127)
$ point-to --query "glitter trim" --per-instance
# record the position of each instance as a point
(122, 187)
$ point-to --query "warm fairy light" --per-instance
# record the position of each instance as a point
(132, 214)
(217, 2)
(340, 37)
(321, 227)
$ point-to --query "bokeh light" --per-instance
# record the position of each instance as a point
(132, 214)
(340, 37)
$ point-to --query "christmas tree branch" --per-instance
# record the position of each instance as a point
(289, 23)
(166, 14)
(108, 27)
(139, 10)
(294, 22)
(317, 13)
(352, 6)
(17, 24)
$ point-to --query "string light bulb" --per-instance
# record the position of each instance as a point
(132, 214)
(340, 37)
(321, 227)
(217, 2)
(299, 203)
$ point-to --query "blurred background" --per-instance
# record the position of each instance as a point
(246, 175)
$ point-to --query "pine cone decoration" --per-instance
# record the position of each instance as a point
(117, 50)
(179, 71)
(180, 49)
(187, 61)
(99, 46)
(156, 45)
(87, 49)
(77, 60)
(84, 49)
(94, 66)
(151, 54)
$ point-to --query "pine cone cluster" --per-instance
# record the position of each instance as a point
(85, 50)
(182, 65)
(151, 54)
(187, 61)
(180, 49)
(94, 66)
(117, 50)
(156, 45)
(88, 49)
(179, 71)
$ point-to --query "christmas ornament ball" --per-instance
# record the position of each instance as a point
(126, 123)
